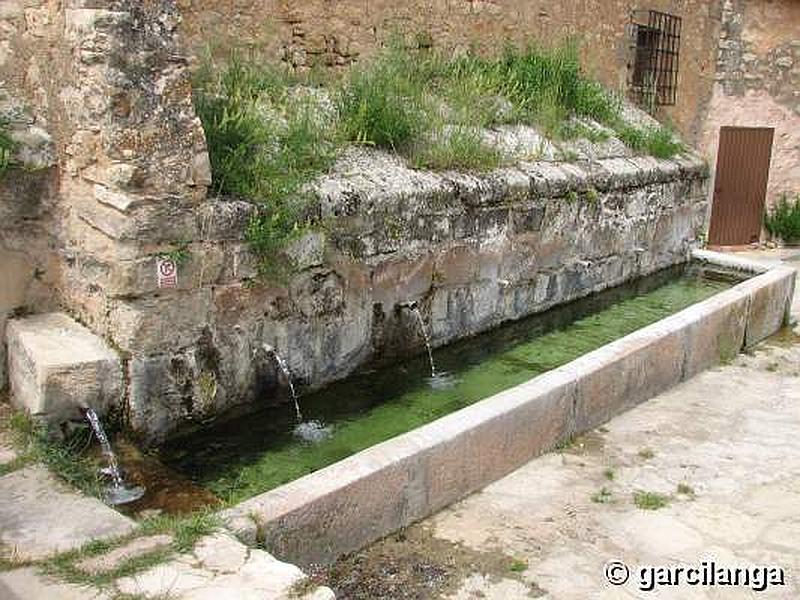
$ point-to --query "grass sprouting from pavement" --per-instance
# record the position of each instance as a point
(67, 459)
(650, 500)
(185, 532)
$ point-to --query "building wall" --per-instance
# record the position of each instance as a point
(111, 157)
(758, 83)
(340, 33)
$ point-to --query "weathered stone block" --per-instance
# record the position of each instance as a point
(41, 516)
(621, 374)
(57, 367)
(200, 265)
(770, 301)
(716, 329)
(159, 323)
(406, 280)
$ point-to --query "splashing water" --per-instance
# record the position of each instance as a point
(118, 493)
(288, 374)
(313, 432)
(437, 380)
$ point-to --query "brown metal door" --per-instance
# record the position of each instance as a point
(740, 185)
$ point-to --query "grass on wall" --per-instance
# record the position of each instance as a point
(655, 141)
(783, 220)
(265, 141)
(7, 146)
(270, 131)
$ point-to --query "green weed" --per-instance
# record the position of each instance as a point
(783, 220)
(650, 500)
(646, 453)
(604, 496)
(518, 565)
(267, 136)
(66, 459)
(656, 141)
(186, 530)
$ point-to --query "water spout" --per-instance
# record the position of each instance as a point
(279, 360)
(118, 493)
(414, 308)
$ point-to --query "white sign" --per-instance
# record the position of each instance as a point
(167, 272)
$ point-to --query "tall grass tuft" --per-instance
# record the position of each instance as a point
(655, 141)
(270, 131)
(267, 136)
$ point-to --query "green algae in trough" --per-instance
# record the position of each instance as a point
(251, 455)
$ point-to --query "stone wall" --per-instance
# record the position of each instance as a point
(338, 34)
(757, 83)
(29, 210)
(471, 251)
(98, 93)
(101, 97)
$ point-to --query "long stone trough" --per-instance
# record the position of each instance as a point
(366, 496)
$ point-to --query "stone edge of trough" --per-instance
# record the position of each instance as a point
(368, 495)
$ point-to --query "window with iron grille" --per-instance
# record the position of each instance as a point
(655, 44)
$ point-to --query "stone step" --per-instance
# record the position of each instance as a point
(41, 516)
(220, 567)
(57, 366)
(114, 559)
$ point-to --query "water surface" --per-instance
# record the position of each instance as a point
(253, 454)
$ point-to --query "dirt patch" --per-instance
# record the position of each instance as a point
(166, 491)
(786, 337)
(413, 564)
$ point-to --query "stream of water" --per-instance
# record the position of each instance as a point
(117, 492)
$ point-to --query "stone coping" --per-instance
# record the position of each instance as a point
(366, 180)
(366, 496)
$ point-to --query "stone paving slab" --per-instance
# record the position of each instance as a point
(730, 435)
(40, 516)
(27, 584)
(221, 568)
(105, 563)
(7, 454)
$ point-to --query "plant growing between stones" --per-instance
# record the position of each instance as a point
(185, 531)
(518, 565)
(656, 141)
(604, 496)
(7, 147)
(67, 459)
(646, 453)
(650, 500)
(179, 254)
(270, 132)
